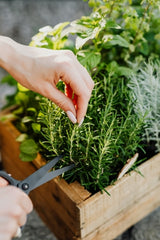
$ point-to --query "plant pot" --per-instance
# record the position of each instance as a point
(72, 212)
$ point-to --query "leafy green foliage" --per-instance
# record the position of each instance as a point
(110, 43)
(28, 150)
(107, 138)
(49, 37)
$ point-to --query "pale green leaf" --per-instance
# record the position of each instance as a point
(58, 28)
(112, 24)
(18, 111)
(27, 157)
(21, 88)
(89, 59)
(74, 28)
(114, 40)
(29, 147)
(22, 137)
(27, 119)
(124, 71)
(81, 41)
(36, 127)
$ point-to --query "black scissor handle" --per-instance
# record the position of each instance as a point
(9, 179)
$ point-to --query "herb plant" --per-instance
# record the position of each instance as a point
(110, 42)
(145, 86)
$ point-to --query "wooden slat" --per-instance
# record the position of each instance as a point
(100, 208)
(59, 217)
(127, 217)
(80, 190)
(10, 153)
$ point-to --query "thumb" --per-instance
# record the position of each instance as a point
(3, 182)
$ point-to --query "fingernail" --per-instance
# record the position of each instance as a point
(18, 233)
(81, 122)
(71, 117)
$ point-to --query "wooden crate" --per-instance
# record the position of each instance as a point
(70, 211)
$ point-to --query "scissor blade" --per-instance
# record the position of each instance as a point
(49, 176)
(37, 175)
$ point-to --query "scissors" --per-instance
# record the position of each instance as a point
(39, 177)
(36, 179)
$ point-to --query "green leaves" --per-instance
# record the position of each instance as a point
(124, 71)
(114, 69)
(94, 3)
(29, 150)
(81, 41)
(112, 24)
(113, 40)
(89, 59)
(36, 127)
(9, 80)
(50, 37)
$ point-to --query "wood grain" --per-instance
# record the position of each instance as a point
(126, 192)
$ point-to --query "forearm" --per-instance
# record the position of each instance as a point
(12, 59)
(7, 47)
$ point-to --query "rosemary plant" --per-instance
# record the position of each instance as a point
(109, 136)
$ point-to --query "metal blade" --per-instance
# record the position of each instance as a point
(49, 176)
(37, 175)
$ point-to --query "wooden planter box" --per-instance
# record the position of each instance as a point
(70, 211)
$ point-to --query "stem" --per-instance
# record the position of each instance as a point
(106, 143)
(140, 25)
(71, 142)
(51, 126)
(111, 10)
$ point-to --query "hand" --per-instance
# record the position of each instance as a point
(14, 206)
(3, 182)
(40, 69)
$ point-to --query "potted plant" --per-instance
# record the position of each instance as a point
(119, 45)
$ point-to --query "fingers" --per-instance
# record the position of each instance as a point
(80, 84)
(3, 182)
(26, 202)
(14, 207)
(75, 107)
(19, 214)
(19, 198)
(82, 104)
(60, 99)
(8, 227)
